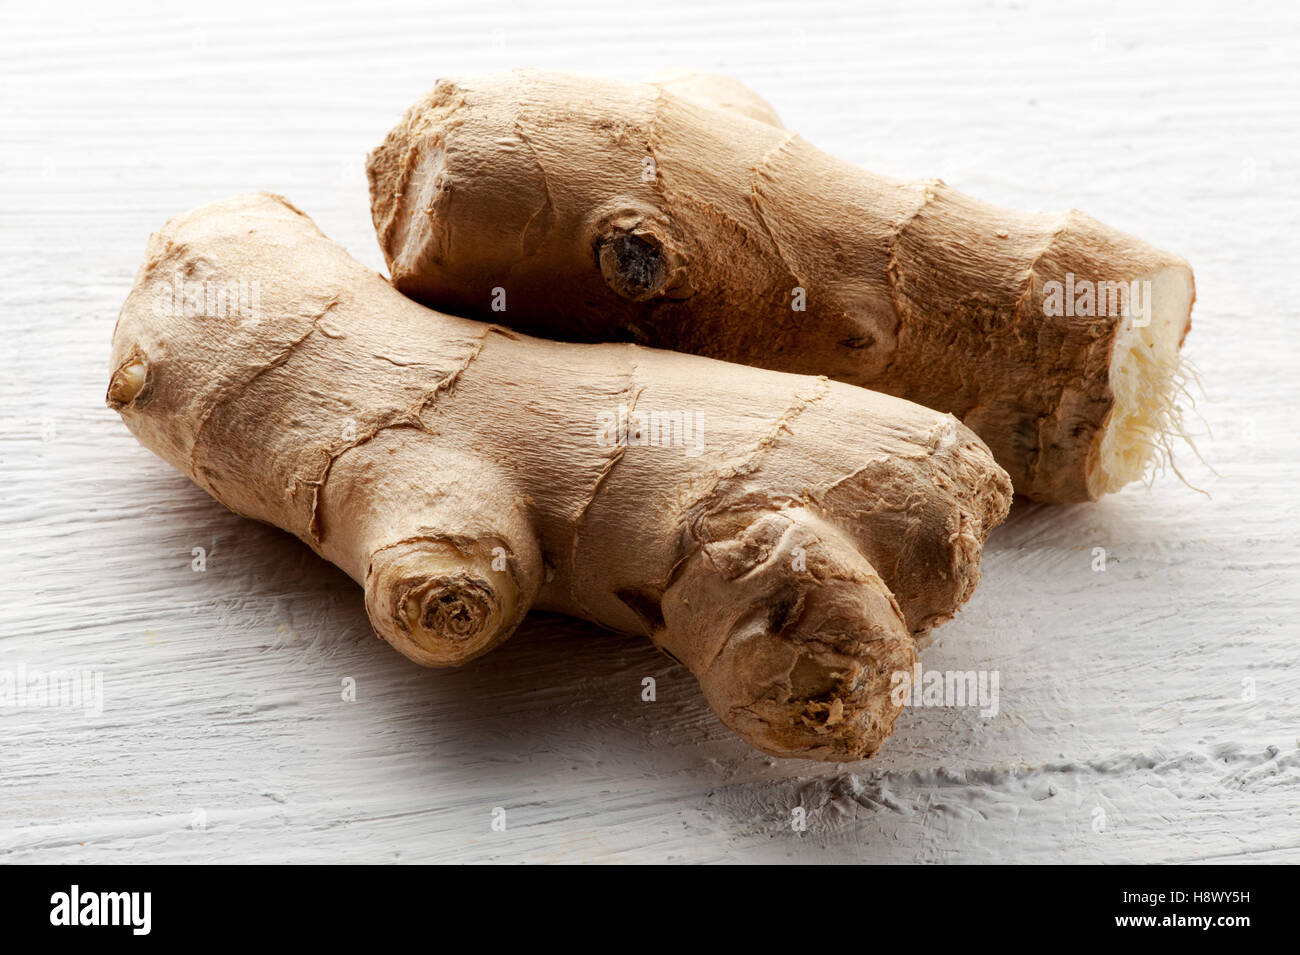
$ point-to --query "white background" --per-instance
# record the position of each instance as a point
(224, 736)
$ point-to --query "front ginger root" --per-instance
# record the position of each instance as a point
(680, 214)
(462, 473)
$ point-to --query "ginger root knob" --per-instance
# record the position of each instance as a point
(441, 604)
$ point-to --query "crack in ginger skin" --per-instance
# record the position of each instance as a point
(911, 288)
(790, 565)
(630, 394)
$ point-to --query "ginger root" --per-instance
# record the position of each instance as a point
(681, 214)
(463, 473)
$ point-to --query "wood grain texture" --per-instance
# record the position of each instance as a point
(224, 736)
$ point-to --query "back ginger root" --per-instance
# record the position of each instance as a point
(455, 470)
(680, 214)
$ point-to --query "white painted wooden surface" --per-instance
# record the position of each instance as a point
(223, 736)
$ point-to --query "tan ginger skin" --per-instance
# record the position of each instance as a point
(456, 471)
(680, 214)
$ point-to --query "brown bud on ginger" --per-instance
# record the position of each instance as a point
(128, 381)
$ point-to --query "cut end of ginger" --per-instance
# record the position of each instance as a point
(1146, 376)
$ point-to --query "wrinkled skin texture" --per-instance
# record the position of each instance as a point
(682, 215)
(457, 471)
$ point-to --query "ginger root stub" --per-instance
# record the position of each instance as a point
(645, 212)
(785, 537)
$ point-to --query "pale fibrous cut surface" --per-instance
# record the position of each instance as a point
(1145, 379)
(681, 214)
(788, 553)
